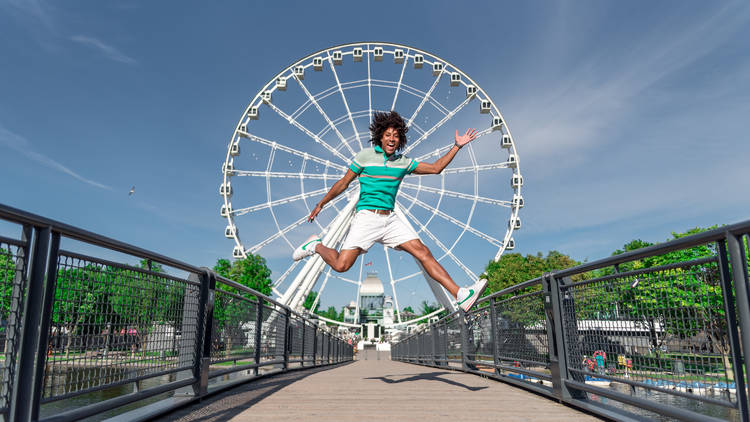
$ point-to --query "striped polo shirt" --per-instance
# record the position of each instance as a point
(379, 177)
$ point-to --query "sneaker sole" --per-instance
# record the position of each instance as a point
(477, 296)
(304, 253)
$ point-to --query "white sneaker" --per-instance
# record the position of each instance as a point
(467, 296)
(307, 248)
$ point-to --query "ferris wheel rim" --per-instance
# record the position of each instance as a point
(269, 86)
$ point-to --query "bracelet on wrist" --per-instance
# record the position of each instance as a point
(457, 145)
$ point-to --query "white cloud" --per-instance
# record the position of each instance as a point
(107, 50)
(23, 146)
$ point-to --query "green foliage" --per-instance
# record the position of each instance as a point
(514, 268)
(310, 300)
(229, 311)
(428, 308)
(7, 275)
(408, 309)
(330, 313)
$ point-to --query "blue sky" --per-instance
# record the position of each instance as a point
(629, 117)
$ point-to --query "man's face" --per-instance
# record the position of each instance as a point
(389, 141)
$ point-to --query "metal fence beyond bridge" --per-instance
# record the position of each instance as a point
(86, 336)
(657, 332)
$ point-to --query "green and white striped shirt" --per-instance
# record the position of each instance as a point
(379, 177)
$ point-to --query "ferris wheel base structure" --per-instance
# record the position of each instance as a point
(307, 278)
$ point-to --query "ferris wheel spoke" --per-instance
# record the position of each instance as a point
(307, 132)
(281, 201)
(298, 153)
(478, 168)
(287, 175)
(455, 221)
(323, 113)
(302, 188)
(401, 78)
(390, 275)
(283, 277)
(438, 124)
(424, 99)
(268, 195)
(398, 280)
(320, 292)
(454, 194)
(286, 230)
(442, 150)
(369, 93)
(343, 98)
(440, 244)
(348, 280)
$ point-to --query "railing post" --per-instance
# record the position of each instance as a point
(304, 337)
(464, 339)
(287, 338)
(15, 316)
(205, 331)
(35, 326)
(315, 346)
(557, 327)
(434, 345)
(740, 279)
(493, 335)
(258, 329)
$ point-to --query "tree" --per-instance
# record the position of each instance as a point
(514, 268)
(309, 300)
(428, 308)
(233, 310)
(693, 290)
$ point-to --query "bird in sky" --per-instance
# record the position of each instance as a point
(132, 191)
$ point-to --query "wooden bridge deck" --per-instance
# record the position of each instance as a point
(365, 389)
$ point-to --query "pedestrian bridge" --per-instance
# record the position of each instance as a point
(656, 333)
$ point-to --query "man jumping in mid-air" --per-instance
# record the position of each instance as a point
(380, 170)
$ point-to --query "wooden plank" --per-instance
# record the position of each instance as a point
(384, 388)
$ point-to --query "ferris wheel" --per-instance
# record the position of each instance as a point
(298, 136)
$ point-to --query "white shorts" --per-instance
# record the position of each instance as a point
(368, 228)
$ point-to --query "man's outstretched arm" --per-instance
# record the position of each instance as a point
(442, 162)
(335, 191)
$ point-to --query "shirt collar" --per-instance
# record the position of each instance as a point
(391, 157)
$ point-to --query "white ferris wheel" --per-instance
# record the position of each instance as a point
(298, 135)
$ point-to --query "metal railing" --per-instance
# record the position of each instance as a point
(657, 332)
(87, 336)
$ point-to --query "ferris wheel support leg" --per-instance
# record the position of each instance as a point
(443, 297)
(304, 281)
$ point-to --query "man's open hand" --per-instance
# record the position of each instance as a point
(470, 135)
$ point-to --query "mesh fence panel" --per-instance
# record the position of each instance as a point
(296, 338)
(479, 325)
(13, 291)
(453, 338)
(113, 323)
(234, 324)
(310, 334)
(522, 332)
(272, 334)
(664, 327)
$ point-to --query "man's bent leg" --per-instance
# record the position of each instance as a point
(339, 261)
(422, 253)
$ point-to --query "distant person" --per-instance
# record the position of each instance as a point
(380, 170)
